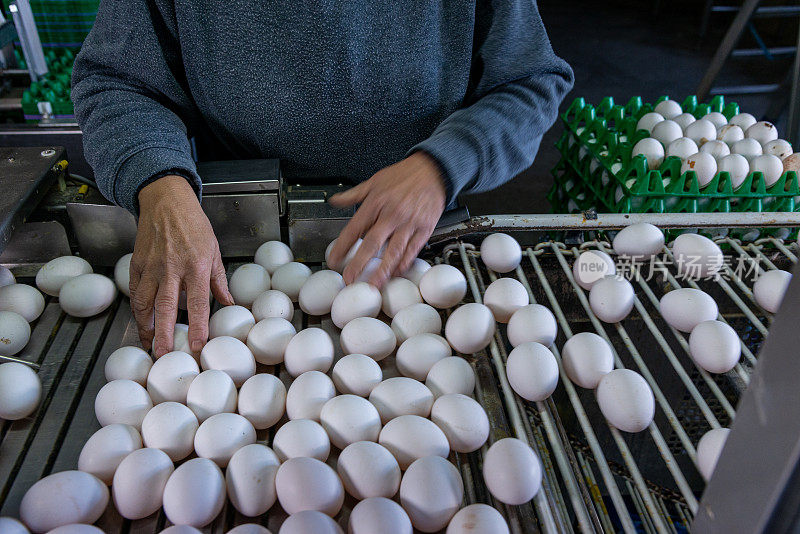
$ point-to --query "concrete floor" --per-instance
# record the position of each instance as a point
(622, 49)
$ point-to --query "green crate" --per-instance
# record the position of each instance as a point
(51, 93)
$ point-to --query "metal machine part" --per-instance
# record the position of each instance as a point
(22, 14)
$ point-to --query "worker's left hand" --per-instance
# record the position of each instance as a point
(400, 206)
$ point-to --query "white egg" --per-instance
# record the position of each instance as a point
(309, 521)
(210, 393)
(22, 299)
(180, 529)
(76, 528)
(250, 479)
(401, 396)
(463, 421)
(701, 131)
(648, 121)
(268, 339)
(318, 292)
(308, 484)
(611, 298)
(234, 321)
(512, 471)
(399, 293)
(704, 166)
(626, 400)
(106, 448)
(792, 163)
(195, 493)
(443, 286)
(666, 132)
(122, 274)
(451, 375)
(416, 319)
(533, 322)
(418, 268)
(87, 295)
(743, 120)
(307, 394)
(348, 419)
(730, 134)
(763, 132)
(668, 109)
(15, 332)
(356, 300)
(768, 165)
(685, 308)
(180, 338)
(249, 528)
(770, 287)
(247, 283)
(129, 363)
(369, 269)
(262, 400)
(779, 147)
(500, 253)
(366, 335)
(273, 303)
(717, 119)
(532, 371)
(696, 256)
(718, 149)
(591, 266)
(309, 350)
(683, 120)
(170, 377)
(348, 257)
(749, 148)
(300, 438)
(477, 518)
(368, 470)
(221, 435)
(9, 525)
(289, 278)
(411, 437)
(431, 493)
(504, 296)
(122, 401)
(715, 346)
(470, 328)
(356, 374)
(419, 353)
(273, 254)
(228, 354)
(709, 449)
(62, 499)
(638, 241)
(736, 166)
(171, 427)
(379, 514)
(55, 273)
(587, 358)
(682, 147)
(139, 481)
(6, 276)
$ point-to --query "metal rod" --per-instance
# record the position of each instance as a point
(597, 497)
(11, 359)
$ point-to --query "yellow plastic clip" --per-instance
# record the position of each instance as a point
(83, 189)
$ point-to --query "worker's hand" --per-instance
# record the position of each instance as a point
(400, 206)
(175, 249)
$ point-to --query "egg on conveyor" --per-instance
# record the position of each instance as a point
(195, 493)
(234, 321)
(709, 449)
(401, 396)
(368, 470)
(763, 132)
(268, 339)
(310, 521)
(87, 295)
(180, 338)
(626, 400)
(533, 322)
(356, 374)
(666, 132)
(379, 514)
(122, 274)
(737, 168)
(248, 282)
(768, 165)
(704, 166)
(272, 303)
(749, 148)
(170, 377)
(667, 108)
(431, 493)
(308, 484)
(15, 332)
(532, 371)
(318, 292)
(228, 354)
(6, 276)
(418, 354)
(367, 335)
(730, 134)
(477, 518)
(250, 479)
(443, 286)
(262, 400)
(359, 299)
(685, 308)
(715, 346)
(718, 149)
(399, 293)
(106, 448)
(504, 296)
(682, 147)
(221, 435)
(180, 529)
(63, 498)
(9, 525)
(418, 268)
(470, 328)
(684, 120)
(249, 528)
(591, 266)
(463, 421)
(696, 256)
(652, 150)
(701, 131)
(770, 287)
(743, 120)
(638, 241)
(500, 253)
(273, 254)
(210, 393)
(289, 278)
(170, 427)
(139, 481)
(122, 401)
(56, 272)
(611, 298)
(300, 438)
(348, 257)
(587, 358)
(309, 350)
(348, 419)
(428, 439)
(130, 363)
(22, 299)
(512, 471)
(416, 319)
(451, 375)
(307, 394)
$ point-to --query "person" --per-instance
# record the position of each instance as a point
(416, 102)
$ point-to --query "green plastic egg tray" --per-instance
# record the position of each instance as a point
(53, 91)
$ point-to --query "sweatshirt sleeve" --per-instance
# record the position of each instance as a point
(130, 99)
(517, 83)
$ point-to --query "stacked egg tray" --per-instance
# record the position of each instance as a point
(50, 95)
(597, 171)
(595, 478)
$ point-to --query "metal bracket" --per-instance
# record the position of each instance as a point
(22, 14)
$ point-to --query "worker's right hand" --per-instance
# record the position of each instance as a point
(175, 249)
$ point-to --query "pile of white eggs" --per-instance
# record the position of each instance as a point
(712, 144)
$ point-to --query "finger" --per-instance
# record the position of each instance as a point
(395, 249)
(219, 282)
(414, 246)
(142, 303)
(166, 313)
(354, 195)
(361, 221)
(373, 241)
(134, 276)
(197, 289)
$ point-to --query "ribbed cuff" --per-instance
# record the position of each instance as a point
(456, 158)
